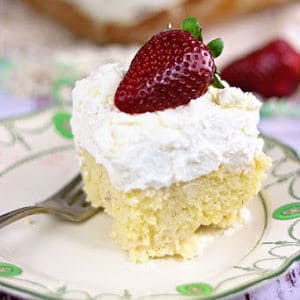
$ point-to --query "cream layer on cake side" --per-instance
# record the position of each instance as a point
(154, 150)
(134, 21)
(131, 12)
(122, 11)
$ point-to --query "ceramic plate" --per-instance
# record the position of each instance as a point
(43, 256)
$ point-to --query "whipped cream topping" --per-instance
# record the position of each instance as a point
(154, 150)
(121, 11)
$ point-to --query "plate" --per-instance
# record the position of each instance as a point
(44, 257)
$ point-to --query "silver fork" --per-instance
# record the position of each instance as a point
(68, 203)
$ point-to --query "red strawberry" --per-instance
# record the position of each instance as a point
(172, 68)
(273, 70)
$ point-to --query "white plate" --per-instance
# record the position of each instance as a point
(43, 256)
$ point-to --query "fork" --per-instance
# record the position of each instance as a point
(68, 203)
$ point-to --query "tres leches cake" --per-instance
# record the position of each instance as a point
(167, 147)
(123, 21)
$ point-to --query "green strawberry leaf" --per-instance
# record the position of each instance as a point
(191, 25)
(217, 82)
(216, 47)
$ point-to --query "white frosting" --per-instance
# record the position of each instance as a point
(154, 150)
(121, 11)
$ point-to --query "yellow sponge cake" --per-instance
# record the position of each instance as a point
(155, 223)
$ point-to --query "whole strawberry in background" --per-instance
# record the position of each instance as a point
(271, 71)
(171, 69)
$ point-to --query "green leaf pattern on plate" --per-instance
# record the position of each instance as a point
(8, 270)
(195, 289)
(287, 212)
(62, 124)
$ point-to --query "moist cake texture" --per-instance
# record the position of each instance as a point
(160, 222)
(162, 175)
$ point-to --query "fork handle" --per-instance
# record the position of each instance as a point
(20, 213)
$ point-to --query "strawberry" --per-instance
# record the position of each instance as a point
(272, 71)
(172, 68)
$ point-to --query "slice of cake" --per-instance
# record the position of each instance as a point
(123, 21)
(162, 149)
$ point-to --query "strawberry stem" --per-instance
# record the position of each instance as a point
(216, 46)
(192, 25)
(217, 83)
